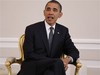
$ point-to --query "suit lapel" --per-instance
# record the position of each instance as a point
(56, 39)
(44, 37)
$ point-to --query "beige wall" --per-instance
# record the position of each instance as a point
(82, 17)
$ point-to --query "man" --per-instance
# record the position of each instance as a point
(44, 44)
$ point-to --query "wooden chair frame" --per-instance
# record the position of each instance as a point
(12, 60)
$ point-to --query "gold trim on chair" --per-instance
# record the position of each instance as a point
(11, 60)
(78, 66)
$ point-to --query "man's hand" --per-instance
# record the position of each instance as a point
(65, 60)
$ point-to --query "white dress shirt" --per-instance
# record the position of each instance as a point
(48, 28)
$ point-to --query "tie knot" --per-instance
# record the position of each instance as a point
(51, 28)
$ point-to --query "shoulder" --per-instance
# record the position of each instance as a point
(35, 25)
(62, 27)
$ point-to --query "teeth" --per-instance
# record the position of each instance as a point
(51, 17)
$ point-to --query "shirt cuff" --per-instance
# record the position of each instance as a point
(70, 58)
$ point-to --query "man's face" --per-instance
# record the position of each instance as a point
(52, 13)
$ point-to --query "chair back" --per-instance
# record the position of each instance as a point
(21, 41)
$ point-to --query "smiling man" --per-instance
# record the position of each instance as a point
(44, 44)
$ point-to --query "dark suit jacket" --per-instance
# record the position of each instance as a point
(36, 45)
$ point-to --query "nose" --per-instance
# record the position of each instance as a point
(51, 12)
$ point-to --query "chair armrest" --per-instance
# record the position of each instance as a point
(10, 61)
(78, 63)
(78, 66)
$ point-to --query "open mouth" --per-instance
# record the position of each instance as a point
(50, 17)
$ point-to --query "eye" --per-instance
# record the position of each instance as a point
(48, 9)
(55, 9)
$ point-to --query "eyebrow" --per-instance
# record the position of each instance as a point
(53, 8)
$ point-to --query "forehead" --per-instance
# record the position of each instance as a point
(53, 5)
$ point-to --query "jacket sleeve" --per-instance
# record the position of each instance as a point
(69, 47)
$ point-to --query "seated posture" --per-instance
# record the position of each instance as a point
(44, 44)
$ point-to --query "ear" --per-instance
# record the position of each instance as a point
(60, 14)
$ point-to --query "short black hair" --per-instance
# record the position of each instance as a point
(54, 1)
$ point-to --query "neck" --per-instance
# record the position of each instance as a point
(50, 23)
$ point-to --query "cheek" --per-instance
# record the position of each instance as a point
(45, 14)
(57, 15)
